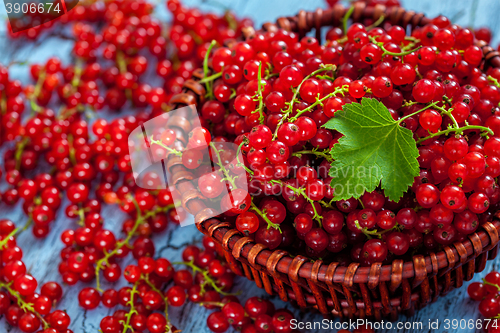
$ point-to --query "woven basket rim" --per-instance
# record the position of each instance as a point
(282, 262)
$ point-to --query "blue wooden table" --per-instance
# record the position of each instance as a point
(42, 257)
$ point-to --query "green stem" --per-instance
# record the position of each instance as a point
(36, 91)
(290, 105)
(15, 232)
(264, 216)
(23, 304)
(326, 204)
(120, 62)
(386, 52)
(417, 112)
(320, 70)
(450, 115)
(346, 18)
(326, 77)
(412, 39)
(491, 284)
(208, 84)
(19, 151)
(161, 144)
(217, 304)
(259, 96)
(72, 152)
(145, 278)
(210, 78)
(376, 23)
(240, 163)
(140, 219)
(410, 103)
(400, 54)
(270, 75)
(227, 176)
(3, 103)
(371, 233)
(81, 215)
(323, 153)
(319, 101)
(494, 81)
(131, 312)
(302, 192)
(78, 73)
(458, 130)
(207, 279)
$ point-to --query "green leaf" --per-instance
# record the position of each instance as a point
(374, 149)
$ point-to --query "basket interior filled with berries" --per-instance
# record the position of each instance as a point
(363, 182)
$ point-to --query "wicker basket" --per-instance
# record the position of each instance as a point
(348, 292)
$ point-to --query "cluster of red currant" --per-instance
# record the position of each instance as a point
(487, 293)
(73, 153)
(206, 280)
(257, 315)
(280, 91)
(21, 305)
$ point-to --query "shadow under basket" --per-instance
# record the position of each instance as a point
(351, 292)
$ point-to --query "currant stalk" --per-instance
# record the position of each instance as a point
(320, 153)
(258, 97)
(371, 233)
(3, 102)
(491, 284)
(319, 101)
(263, 215)
(140, 219)
(346, 17)
(19, 151)
(208, 83)
(167, 148)
(301, 191)
(132, 311)
(387, 52)
(23, 304)
(416, 112)
(323, 68)
(289, 110)
(36, 91)
(240, 163)
(459, 130)
(227, 176)
(78, 73)
(494, 81)
(375, 24)
(72, 157)
(207, 279)
(15, 232)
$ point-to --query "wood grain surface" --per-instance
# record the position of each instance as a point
(42, 256)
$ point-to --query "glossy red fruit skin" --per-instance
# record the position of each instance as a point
(268, 236)
(217, 322)
(489, 307)
(423, 91)
(476, 291)
(398, 243)
(236, 202)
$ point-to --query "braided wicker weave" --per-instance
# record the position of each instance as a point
(347, 292)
